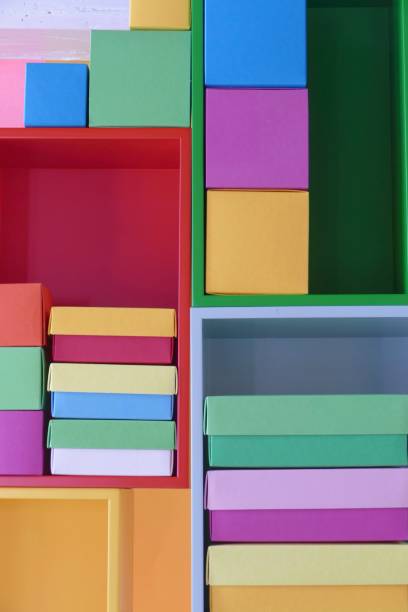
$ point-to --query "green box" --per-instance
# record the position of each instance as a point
(140, 79)
(307, 431)
(155, 435)
(22, 378)
(358, 83)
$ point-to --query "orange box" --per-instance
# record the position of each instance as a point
(162, 557)
(309, 598)
(24, 312)
(257, 242)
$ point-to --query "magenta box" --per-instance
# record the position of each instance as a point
(113, 349)
(22, 442)
(257, 139)
(355, 525)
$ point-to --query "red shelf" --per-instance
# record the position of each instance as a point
(102, 218)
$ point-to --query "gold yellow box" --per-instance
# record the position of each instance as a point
(66, 549)
(257, 242)
(160, 14)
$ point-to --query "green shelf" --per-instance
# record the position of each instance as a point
(357, 70)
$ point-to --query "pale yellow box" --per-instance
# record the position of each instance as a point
(257, 242)
(160, 14)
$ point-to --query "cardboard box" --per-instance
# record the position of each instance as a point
(88, 321)
(24, 311)
(126, 93)
(102, 434)
(307, 489)
(160, 14)
(354, 525)
(113, 335)
(112, 406)
(162, 522)
(22, 378)
(111, 462)
(309, 598)
(22, 449)
(257, 242)
(56, 95)
(112, 349)
(255, 44)
(12, 83)
(84, 539)
(257, 139)
(316, 564)
(307, 430)
(104, 378)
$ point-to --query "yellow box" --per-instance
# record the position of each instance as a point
(257, 242)
(89, 321)
(66, 549)
(313, 564)
(108, 378)
(160, 14)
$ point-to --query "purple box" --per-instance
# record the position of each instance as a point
(257, 139)
(22, 442)
(345, 525)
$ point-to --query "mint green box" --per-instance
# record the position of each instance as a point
(140, 79)
(94, 433)
(22, 378)
(307, 431)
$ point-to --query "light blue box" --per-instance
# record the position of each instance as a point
(112, 406)
(255, 43)
(56, 95)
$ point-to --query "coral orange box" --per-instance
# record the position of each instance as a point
(24, 312)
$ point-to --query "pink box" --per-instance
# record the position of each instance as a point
(257, 139)
(113, 349)
(22, 442)
(12, 87)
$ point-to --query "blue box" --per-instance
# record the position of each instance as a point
(112, 406)
(255, 43)
(56, 95)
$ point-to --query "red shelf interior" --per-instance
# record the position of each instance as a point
(101, 217)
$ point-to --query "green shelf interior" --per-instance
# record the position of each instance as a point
(358, 187)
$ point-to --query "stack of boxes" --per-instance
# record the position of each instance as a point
(256, 147)
(112, 404)
(135, 78)
(24, 312)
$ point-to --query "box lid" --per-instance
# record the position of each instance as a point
(76, 433)
(86, 321)
(307, 489)
(106, 378)
(311, 564)
(24, 312)
(281, 415)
